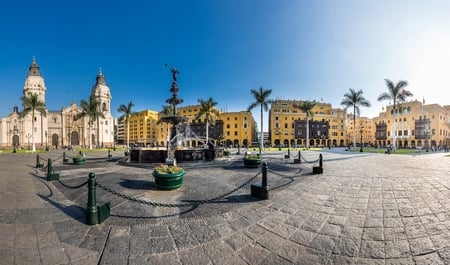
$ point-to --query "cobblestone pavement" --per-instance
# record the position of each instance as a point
(364, 209)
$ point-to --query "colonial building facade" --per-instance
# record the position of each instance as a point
(287, 125)
(58, 128)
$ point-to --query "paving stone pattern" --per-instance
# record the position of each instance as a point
(364, 209)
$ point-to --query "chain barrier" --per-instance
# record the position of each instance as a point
(310, 162)
(188, 204)
(72, 187)
(285, 176)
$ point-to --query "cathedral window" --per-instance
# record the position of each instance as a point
(104, 107)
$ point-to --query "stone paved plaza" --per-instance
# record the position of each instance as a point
(364, 209)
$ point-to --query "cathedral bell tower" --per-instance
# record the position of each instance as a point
(34, 82)
(102, 94)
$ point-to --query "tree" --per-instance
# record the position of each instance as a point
(354, 99)
(398, 94)
(92, 110)
(306, 107)
(262, 99)
(127, 111)
(208, 112)
(32, 104)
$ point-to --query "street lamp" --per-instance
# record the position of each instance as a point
(361, 129)
(279, 138)
(28, 137)
(427, 130)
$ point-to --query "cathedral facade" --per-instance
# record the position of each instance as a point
(67, 127)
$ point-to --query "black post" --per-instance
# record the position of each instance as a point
(92, 215)
(260, 189)
(264, 175)
(319, 169)
(49, 167)
(38, 165)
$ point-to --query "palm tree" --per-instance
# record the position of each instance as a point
(92, 110)
(262, 99)
(126, 110)
(306, 107)
(208, 112)
(398, 94)
(354, 99)
(32, 104)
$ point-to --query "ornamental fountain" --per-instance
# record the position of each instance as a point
(179, 135)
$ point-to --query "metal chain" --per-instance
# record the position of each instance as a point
(73, 187)
(310, 162)
(285, 176)
(189, 204)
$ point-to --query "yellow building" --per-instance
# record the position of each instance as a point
(143, 128)
(365, 127)
(416, 126)
(239, 129)
(287, 125)
(230, 128)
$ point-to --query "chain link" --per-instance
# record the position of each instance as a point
(73, 187)
(285, 176)
(310, 162)
(189, 204)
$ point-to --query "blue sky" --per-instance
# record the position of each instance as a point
(310, 50)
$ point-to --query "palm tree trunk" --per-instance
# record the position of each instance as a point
(354, 127)
(90, 136)
(261, 135)
(394, 127)
(32, 132)
(207, 132)
(128, 135)
(307, 133)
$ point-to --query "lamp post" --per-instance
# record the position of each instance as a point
(279, 138)
(28, 137)
(14, 139)
(361, 129)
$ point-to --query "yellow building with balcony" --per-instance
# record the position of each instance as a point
(287, 125)
(414, 125)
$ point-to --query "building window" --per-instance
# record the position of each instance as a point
(235, 133)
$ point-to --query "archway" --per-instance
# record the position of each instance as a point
(74, 138)
(236, 143)
(55, 140)
(245, 143)
(229, 143)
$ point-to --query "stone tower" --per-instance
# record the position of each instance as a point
(104, 127)
(34, 82)
(101, 93)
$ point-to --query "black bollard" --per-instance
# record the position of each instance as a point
(51, 175)
(92, 215)
(260, 189)
(319, 169)
(109, 153)
(299, 159)
(97, 212)
(38, 165)
(65, 160)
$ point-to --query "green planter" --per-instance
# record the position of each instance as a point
(79, 160)
(166, 181)
(252, 162)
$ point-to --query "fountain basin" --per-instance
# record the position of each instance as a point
(154, 155)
